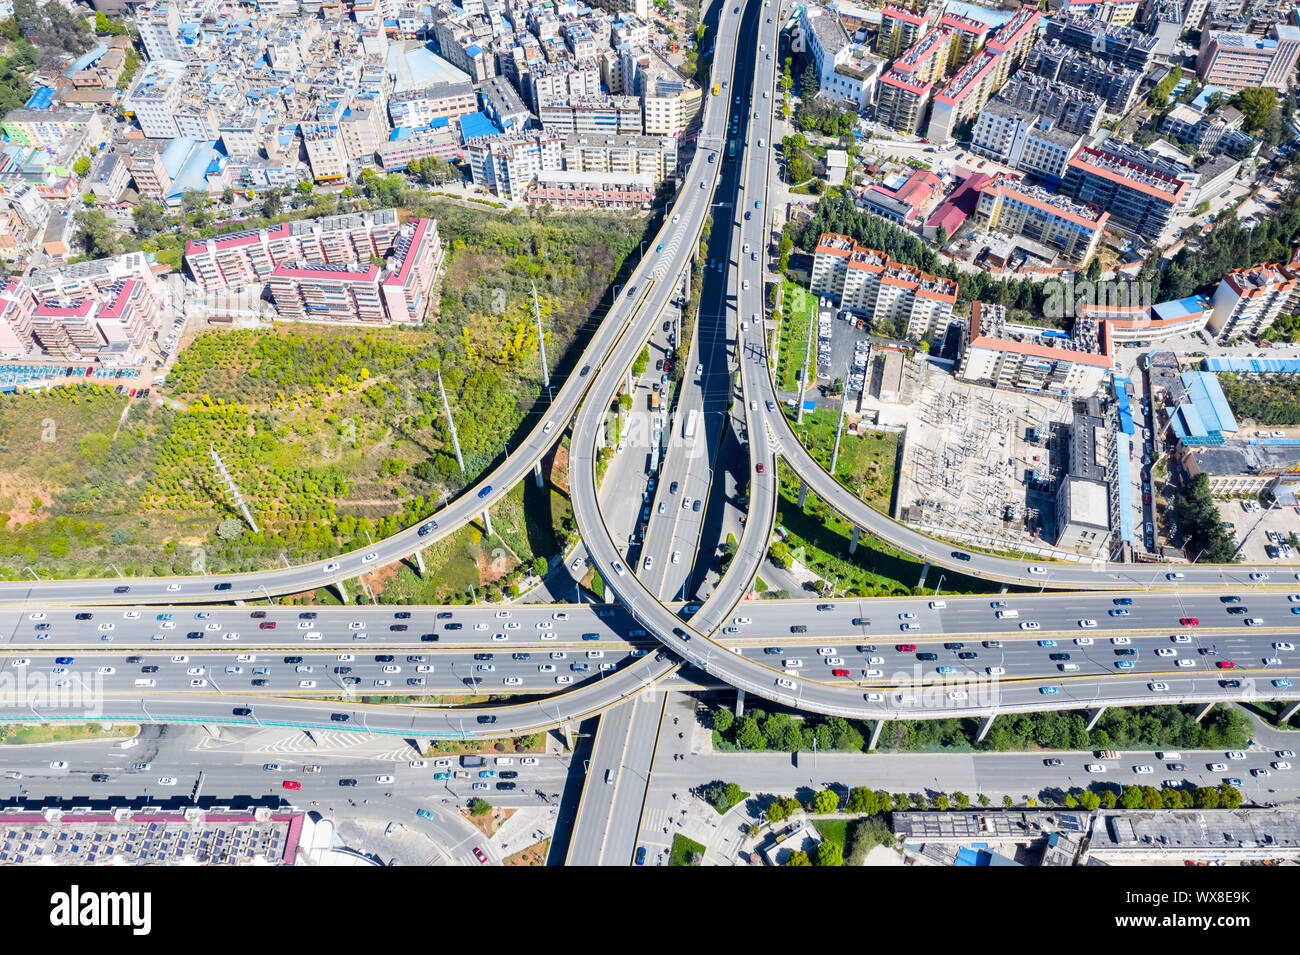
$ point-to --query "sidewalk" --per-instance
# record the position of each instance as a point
(527, 827)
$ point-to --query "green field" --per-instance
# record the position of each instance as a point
(335, 435)
(867, 460)
(798, 308)
(683, 849)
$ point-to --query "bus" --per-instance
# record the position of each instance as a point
(688, 426)
(731, 149)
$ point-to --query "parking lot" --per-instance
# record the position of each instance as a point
(1256, 525)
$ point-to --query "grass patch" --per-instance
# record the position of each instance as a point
(533, 743)
(684, 850)
(18, 734)
(867, 461)
(798, 307)
(834, 830)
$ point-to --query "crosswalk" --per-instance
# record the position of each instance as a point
(321, 741)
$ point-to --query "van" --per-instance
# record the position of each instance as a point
(609, 776)
(938, 605)
(1169, 756)
(1067, 667)
(1254, 621)
(504, 761)
(146, 682)
(1007, 614)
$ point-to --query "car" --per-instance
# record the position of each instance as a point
(166, 780)
(1158, 687)
(1284, 753)
(1280, 765)
(1049, 690)
(369, 558)
(1123, 601)
(1175, 576)
(1118, 612)
(1259, 772)
(103, 777)
(995, 671)
(486, 720)
(480, 856)
(907, 616)
(1037, 570)
(123, 590)
(1166, 652)
(1180, 638)
(1225, 665)
(785, 684)
(1095, 767)
(1283, 646)
(1029, 625)
(1235, 754)
(1259, 576)
(905, 647)
(1058, 656)
(1230, 684)
(1143, 770)
(1083, 641)
(1216, 767)
(1189, 621)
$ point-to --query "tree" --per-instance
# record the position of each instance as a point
(479, 807)
(1229, 796)
(148, 218)
(830, 853)
(1255, 106)
(195, 204)
(272, 203)
(1131, 797)
(722, 719)
(862, 800)
(540, 565)
(781, 809)
(95, 233)
(798, 858)
(961, 800)
(230, 529)
(81, 166)
(824, 802)
(228, 196)
(1090, 801)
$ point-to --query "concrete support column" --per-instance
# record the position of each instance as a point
(853, 544)
(985, 727)
(803, 493)
(343, 594)
(537, 473)
(740, 703)
(1201, 713)
(1093, 717)
(1289, 712)
(487, 522)
(419, 560)
(924, 571)
(1003, 590)
(567, 730)
(875, 734)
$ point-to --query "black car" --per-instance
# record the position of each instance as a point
(1058, 656)
(1126, 652)
(1230, 684)
(149, 669)
(42, 627)
(121, 590)
(443, 615)
(85, 616)
(953, 646)
(427, 528)
(960, 556)
(508, 774)
(773, 651)
(99, 778)
(347, 782)
(293, 659)
(1237, 611)
(579, 667)
(672, 488)
(260, 682)
(521, 656)
(927, 656)
(866, 648)
(307, 615)
(967, 655)
(402, 615)
(383, 658)
(826, 606)
(471, 680)
(861, 622)
(194, 635)
(452, 626)
(487, 720)
(397, 627)
(352, 680)
(483, 656)
(1178, 767)
(242, 711)
(586, 369)
(696, 506)
(659, 364)
(342, 669)
(257, 615)
(1053, 762)
(132, 659)
(1230, 599)
(414, 658)
(428, 638)
(799, 628)
(221, 587)
(340, 718)
(505, 786)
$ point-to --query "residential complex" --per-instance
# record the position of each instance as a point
(1004, 355)
(1009, 205)
(1248, 301)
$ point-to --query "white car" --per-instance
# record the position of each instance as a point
(1083, 641)
(369, 558)
(957, 695)
(559, 615)
(543, 625)
(686, 503)
(167, 625)
(1281, 764)
(392, 668)
(745, 621)
(194, 671)
(1235, 754)
(1186, 662)
(595, 654)
(677, 557)
(355, 625)
(512, 625)
(131, 615)
(105, 627)
(1283, 646)
(1095, 767)
(995, 671)
(1087, 624)
(346, 657)
(562, 680)
(876, 661)
(907, 616)
(383, 683)
(1180, 638)
(1143, 770)
(247, 658)
(1216, 767)
(835, 661)
(823, 651)
(1272, 661)
(180, 658)
(106, 670)
(383, 780)
(172, 588)
(1029, 625)
(20, 662)
(528, 761)
(503, 614)
(36, 616)
(167, 781)
(480, 626)
(875, 674)
(512, 681)
(417, 764)
(502, 638)
(546, 668)
(1157, 687)
(60, 764)
(442, 764)
(1037, 569)
(1259, 576)
(1166, 652)
(618, 569)
(1120, 641)
(235, 636)
(1284, 754)
(201, 683)
(306, 684)
(784, 683)
(486, 667)
(577, 565)
(424, 668)
(875, 697)
(331, 567)
(544, 636)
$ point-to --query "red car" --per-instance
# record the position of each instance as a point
(760, 467)
(266, 625)
(1226, 665)
(291, 784)
(1146, 498)
(1190, 622)
(478, 854)
(905, 647)
(839, 672)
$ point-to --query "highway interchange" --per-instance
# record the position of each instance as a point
(866, 659)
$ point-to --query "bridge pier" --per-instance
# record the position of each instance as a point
(803, 492)
(1004, 589)
(924, 572)
(537, 472)
(853, 544)
(487, 523)
(419, 560)
(1290, 711)
(567, 730)
(875, 734)
(1093, 717)
(343, 594)
(985, 727)
(1201, 713)
(740, 703)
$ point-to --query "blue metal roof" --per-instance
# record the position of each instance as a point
(473, 125)
(42, 98)
(1181, 308)
(1125, 481)
(1121, 400)
(1207, 396)
(1280, 366)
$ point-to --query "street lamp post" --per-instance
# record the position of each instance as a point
(32, 572)
(115, 568)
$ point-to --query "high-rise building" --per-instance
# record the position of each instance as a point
(1139, 190)
(1248, 301)
(1011, 206)
(1238, 61)
(159, 25)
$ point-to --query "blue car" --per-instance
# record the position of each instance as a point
(1049, 690)
(1118, 613)
(946, 670)
(1047, 643)
(1123, 601)
(1283, 683)
(1295, 609)
(487, 774)
(640, 855)
(63, 661)
(1125, 664)
(424, 813)
(486, 491)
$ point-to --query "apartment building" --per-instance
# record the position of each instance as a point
(503, 105)
(420, 107)
(241, 259)
(1087, 72)
(50, 128)
(1248, 301)
(654, 156)
(1009, 205)
(508, 165)
(1024, 140)
(846, 71)
(868, 282)
(592, 114)
(1140, 191)
(362, 128)
(1028, 358)
(326, 153)
(1119, 45)
(1237, 61)
(968, 35)
(16, 306)
(153, 99)
(159, 26)
(1070, 109)
(899, 29)
(901, 101)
